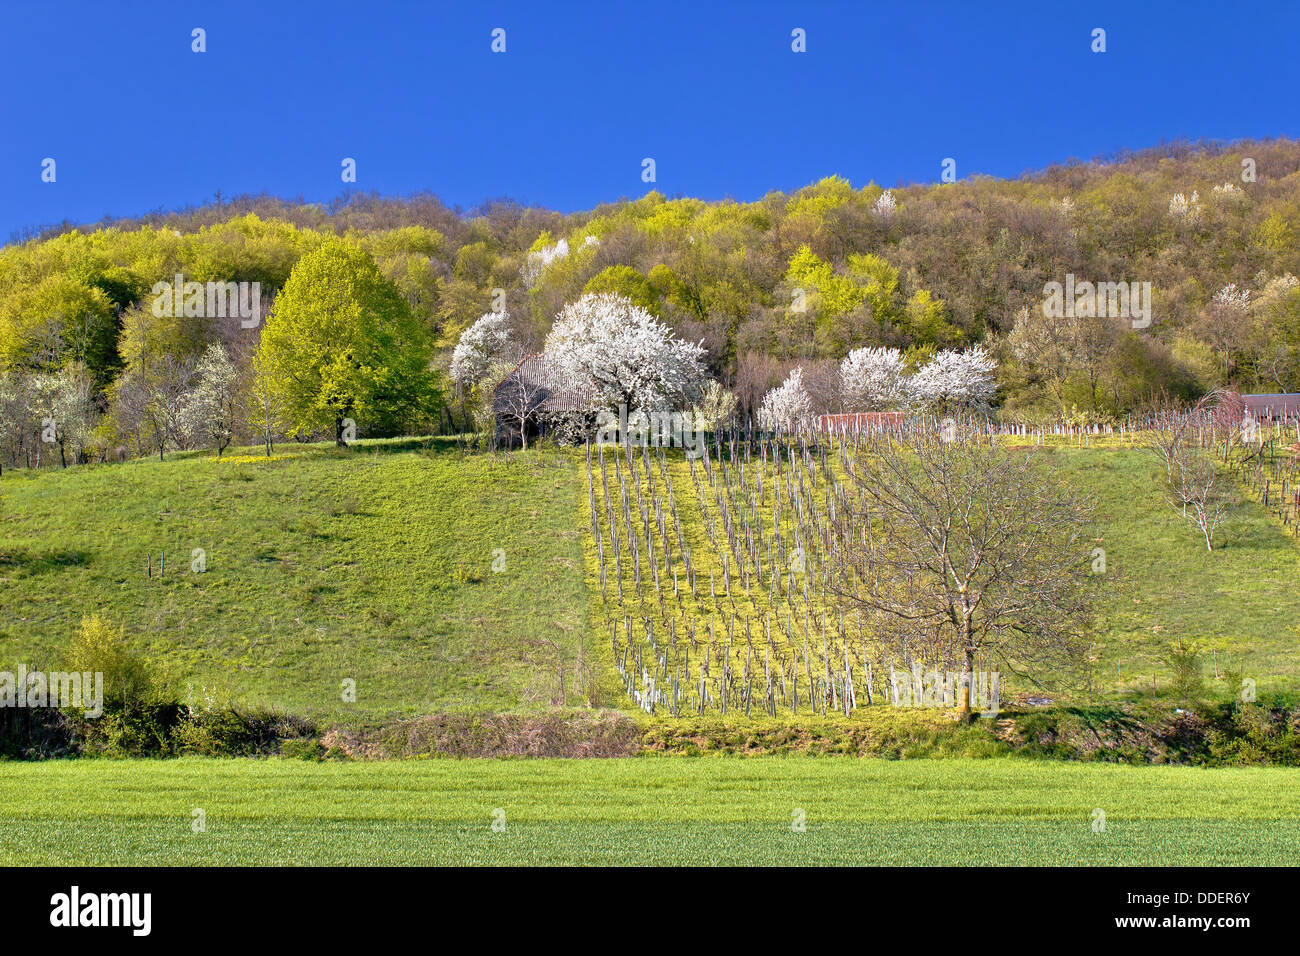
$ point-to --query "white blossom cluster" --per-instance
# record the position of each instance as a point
(535, 263)
(955, 379)
(1183, 208)
(873, 379)
(876, 379)
(788, 405)
(1229, 191)
(481, 347)
(209, 409)
(624, 354)
(886, 204)
(1234, 296)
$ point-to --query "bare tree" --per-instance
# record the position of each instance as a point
(520, 396)
(150, 403)
(261, 409)
(1192, 481)
(1196, 486)
(1168, 439)
(967, 546)
(16, 426)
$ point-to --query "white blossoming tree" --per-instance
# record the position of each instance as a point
(535, 262)
(788, 405)
(1233, 296)
(873, 379)
(63, 404)
(624, 355)
(886, 204)
(482, 347)
(209, 413)
(955, 380)
(716, 408)
(1180, 207)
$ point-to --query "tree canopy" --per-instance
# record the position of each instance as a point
(344, 344)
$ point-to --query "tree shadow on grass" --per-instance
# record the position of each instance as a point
(27, 563)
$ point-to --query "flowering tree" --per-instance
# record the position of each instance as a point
(873, 379)
(64, 406)
(484, 345)
(717, 407)
(624, 354)
(1180, 207)
(1233, 296)
(886, 204)
(535, 262)
(209, 413)
(787, 405)
(955, 379)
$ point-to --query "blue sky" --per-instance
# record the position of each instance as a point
(135, 121)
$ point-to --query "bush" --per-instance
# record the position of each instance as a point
(1255, 734)
(141, 730)
(226, 732)
(100, 648)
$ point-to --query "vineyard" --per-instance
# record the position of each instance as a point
(716, 578)
(717, 571)
(1270, 471)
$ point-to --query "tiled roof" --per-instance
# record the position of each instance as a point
(557, 393)
(1283, 404)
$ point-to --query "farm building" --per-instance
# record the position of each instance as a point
(535, 396)
(1281, 405)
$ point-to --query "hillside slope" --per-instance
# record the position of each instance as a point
(376, 564)
(373, 564)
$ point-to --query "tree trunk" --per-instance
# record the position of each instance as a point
(964, 710)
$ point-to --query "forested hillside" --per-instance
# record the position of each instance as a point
(792, 279)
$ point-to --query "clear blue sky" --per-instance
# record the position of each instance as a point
(135, 121)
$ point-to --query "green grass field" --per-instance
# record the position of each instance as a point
(708, 811)
(376, 563)
(373, 564)
(1162, 586)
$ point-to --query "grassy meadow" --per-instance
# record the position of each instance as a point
(374, 563)
(1238, 603)
(644, 811)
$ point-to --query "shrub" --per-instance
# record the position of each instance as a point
(100, 648)
(226, 732)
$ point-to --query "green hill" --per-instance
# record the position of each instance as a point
(376, 564)
(373, 564)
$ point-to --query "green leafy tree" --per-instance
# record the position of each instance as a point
(342, 343)
(627, 282)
